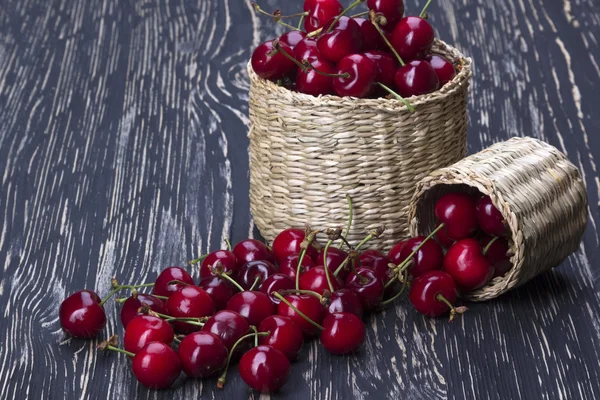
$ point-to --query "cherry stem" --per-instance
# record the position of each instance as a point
(487, 247)
(361, 244)
(117, 287)
(302, 17)
(397, 295)
(314, 33)
(168, 318)
(276, 18)
(325, 265)
(360, 14)
(254, 283)
(305, 65)
(300, 291)
(197, 260)
(374, 18)
(253, 328)
(222, 378)
(309, 239)
(118, 350)
(350, 7)
(398, 97)
(401, 266)
(308, 65)
(176, 339)
(350, 217)
(227, 243)
(454, 311)
(424, 11)
(300, 313)
(232, 281)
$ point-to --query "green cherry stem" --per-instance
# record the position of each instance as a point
(197, 260)
(487, 247)
(254, 283)
(374, 18)
(397, 295)
(358, 246)
(424, 11)
(301, 291)
(331, 289)
(405, 268)
(360, 14)
(227, 243)
(350, 7)
(276, 18)
(300, 313)
(119, 350)
(232, 281)
(302, 17)
(223, 377)
(253, 328)
(454, 311)
(398, 97)
(408, 259)
(309, 238)
(117, 287)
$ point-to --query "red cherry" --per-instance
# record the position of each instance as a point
(316, 280)
(292, 38)
(345, 301)
(457, 212)
(202, 354)
(489, 217)
(219, 290)
(319, 12)
(251, 250)
(416, 78)
(362, 76)
(335, 258)
(145, 329)
(392, 10)
(81, 315)
(249, 272)
(368, 256)
(289, 266)
(443, 239)
(228, 325)
(254, 306)
(284, 335)
(269, 63)
(380, 266)
(305, 49)
(412, 38)
(313, 83)
(287, 243)
(189, 302)
(497, 254)
(343, 333)
(367, 286)
(443, 68)
(156, 366)
(309, 305)
(371, 39)
(428, 258)
(425, 289)
(228, 261)
(264, 368)
(132, 305)
(161, 285)
(275, 283)
(343, 40)
(387, 65)
(467, 265)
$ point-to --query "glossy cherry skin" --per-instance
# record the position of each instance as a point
(319, 12)
(363, 76)
(344, 333)
(289, 266)
(309, 305)
(412, 38)
(81, 315)
(368, 256)
(254, 306)
(345, 301)
(251, 250)
(287, 243)
(189, 302)
(219, 290)
(457, 212)
(264, 368)
(429, 257)
(316, 280)
(380, 266)
(284, 335)
(228, 261)
(306, 48)
(161, 285)
(371, 39)
(249, 272)
(392, 10)
(202, 354)
(387, 65)
(156, 366)
(145, 329)
(275, 283)
(132, 305)
(228, 325)
(292, 38)
(313, 83)
(370, 292)
(269, 63)
(489, 218)
(497, 254)
(443, 68)
(416, 78)
(335, 258)
(467, 265)
(343, 40)
(425, 288)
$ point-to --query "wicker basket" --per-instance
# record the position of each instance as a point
(307, 153)
(538, 191)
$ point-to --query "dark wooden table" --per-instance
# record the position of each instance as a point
(123, 150)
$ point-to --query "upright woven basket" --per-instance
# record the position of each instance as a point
(307, 153)
(538, 191)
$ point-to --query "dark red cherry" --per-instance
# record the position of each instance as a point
(362, 76)
(251, 250)
(287, 243)
(343, 333)
(264, 368)
(228, 325)
(335, 258)
(162, 286)
(443, 68)
(156, 366)
(467, 265)
(316, 280)
(189, 302)
(443, 239)
(269, 63)
(343, 40)
(253, 270)
(345, 301)
(289, 266)
(145, 329)
(254, 306)
(425, 289)
(132, 305)
(292, 38)
(380, 266)
(416, 78)
(412, 38)
(429, 257)
(284, 335)
(228, 261)
(368, 256)
(497, 254)
(307, 304)
(387, 65)
(81, 315)
(275, 283)
(202, 354)
(306, 48)
(313, 83)
(319, 12)
(219, 290)
(392, 10)
(367, 286)
(371, 39)
(457, 212)
(490, 220)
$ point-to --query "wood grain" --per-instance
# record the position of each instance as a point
(123, 150)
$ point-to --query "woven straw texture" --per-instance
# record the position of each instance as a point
(538, 191)
(307, 153)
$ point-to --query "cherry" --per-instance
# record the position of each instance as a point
(284, 335)
(371, 39)
(380, 266)
(489, 217)
(228, 325)
(358, 76)
(275, 283)
(309, 306)
(315, 280)
(253, 270)
(368, 256)
(342, 40)
(443, 68)
(269, 63)
(392, 10)
(251, 250)
(228, 260)
(81, 315)
(202, 354)
(254, 306)
(387, 65)
(428, 258)
(189, 302)
(467, 265)
(264, 368)
(292, 38)
(319, 12)
(343, 333)
(288, 243)
(219, 290)
(457, 212)
(311, 82)
(335, 258)
(345, 301)
(433, 293)
(156, 365)
(289, 265)
(145, 329)
(412, 38)
(416, 78)
(162, 286)
(367, 286)
(443, 239)
(132, 305)
(497, 253)
(306, 48)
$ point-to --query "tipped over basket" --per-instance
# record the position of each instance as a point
(538, 191)
(307, 153)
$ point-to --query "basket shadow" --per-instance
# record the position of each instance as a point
(554, 284)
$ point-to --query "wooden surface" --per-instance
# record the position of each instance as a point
(123, 150)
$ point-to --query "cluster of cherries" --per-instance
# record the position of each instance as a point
(384, 53)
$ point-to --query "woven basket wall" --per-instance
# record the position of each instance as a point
(538, 191)
(307, 153)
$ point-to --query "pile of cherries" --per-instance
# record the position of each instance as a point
(376, 53)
